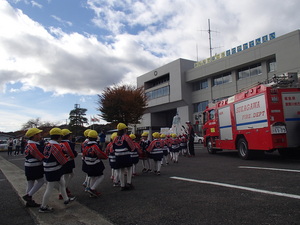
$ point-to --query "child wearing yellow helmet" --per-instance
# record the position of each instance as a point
(165, 149)
(112, 161)
(135, 154)
(34, 170)
(174, 148)
(144, 156)
(68, 148)
(93, 166)
(155, 150)
(122, 147)
(53, 168)
(83, 145)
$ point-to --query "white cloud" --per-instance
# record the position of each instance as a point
(35, 4)
(63, 22)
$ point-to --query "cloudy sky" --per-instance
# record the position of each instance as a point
(57, 53)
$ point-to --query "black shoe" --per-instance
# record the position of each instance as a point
(71, 199)
(32, 204)
(129, 186)
(27, 198)
(124, 188)
(46, 209)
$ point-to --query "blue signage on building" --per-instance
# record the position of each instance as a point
(239, 48)
(272, 36)
(258, 41)
(265, 38)
(251, 44)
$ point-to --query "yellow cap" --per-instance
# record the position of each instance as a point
(162, 135)
(113, 135)
(32, 131)
(86, 132)
(93, 134)
(145, 134)
(55, 131)
(65, 132)
(121, 126)
(156, 135)
(174, 135)
(132, 136)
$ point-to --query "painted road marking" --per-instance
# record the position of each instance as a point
(265, 168)
(238, 187)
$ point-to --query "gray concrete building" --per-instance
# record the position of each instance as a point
(186, 87)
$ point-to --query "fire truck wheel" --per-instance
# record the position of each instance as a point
(209, 147)
(243, 150)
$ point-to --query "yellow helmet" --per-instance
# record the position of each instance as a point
(55, 131)
(132, 136)
(32, 131)
(93, 134)
(65, 132)
(156, 135)
(121, 126)
(145, 134)
(86, 132)
(113, 135)
(174, 135)
(162, 135)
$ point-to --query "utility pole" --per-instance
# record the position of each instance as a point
(209, 36)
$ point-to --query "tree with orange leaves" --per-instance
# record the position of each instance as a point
(124, 104)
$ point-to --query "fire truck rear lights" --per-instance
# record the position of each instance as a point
(278, 129)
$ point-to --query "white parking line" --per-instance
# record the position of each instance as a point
(265, 168)
(238, 187)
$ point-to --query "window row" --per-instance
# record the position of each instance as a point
(158, 93)
(200, 106)
(253, 70)
(249, 71)
(222, 79)
(198, 85)
(157, 81)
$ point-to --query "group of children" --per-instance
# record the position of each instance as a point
(55, 160)
(162, 149)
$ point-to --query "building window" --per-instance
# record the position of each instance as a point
(158, 81)
(222, 79)
(158, 93)
(272, 66)
(200, 106)
(198, 85)
(249, 71)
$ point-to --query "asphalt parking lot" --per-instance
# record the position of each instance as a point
(206, 189)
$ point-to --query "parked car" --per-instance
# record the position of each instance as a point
(198, 139)
(3, 145)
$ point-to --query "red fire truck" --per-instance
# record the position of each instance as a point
(265, 117)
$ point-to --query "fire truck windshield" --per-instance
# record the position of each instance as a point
(212, 114)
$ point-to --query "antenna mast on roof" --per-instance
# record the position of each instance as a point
(209, 37)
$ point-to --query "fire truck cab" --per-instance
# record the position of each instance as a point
(265, 117)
